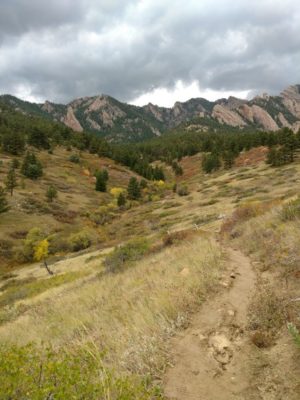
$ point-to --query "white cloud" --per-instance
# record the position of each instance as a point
(148, 50)
(167, 97)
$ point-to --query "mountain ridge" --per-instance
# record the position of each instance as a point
(118, 121)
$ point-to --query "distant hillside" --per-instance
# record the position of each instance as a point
(121, 122)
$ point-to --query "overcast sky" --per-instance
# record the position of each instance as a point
(148, 50)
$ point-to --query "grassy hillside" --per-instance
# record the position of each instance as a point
(127, 278)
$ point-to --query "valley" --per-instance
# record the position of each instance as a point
(179, 250)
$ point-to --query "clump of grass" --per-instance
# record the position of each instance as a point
(294, 333)
(167, 214)
(175, 237)
(23, 289)
(205, 219)
(244, 213)
(124, 254)
(183, 191)
(262, 339)
(209, 202)
(29, 372)
(80, 241)
(266, 316)
(291, 210)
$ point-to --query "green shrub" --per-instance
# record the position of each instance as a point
(291, 210)
(51, 193)
(58, 244)
(80, 241)
(31, 166)
(295, 334)
(124, 254)
(182, 191)
(74, 158)
(32, 373)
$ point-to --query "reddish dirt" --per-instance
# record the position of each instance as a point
(252, 157)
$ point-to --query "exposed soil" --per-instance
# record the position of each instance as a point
(211, 357)
(215, 358)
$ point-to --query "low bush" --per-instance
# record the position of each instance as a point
(21, 234)
(103, 215)
(80, 241)
(66, 217)
(244, 213)
(294, 333)
(291, 210)
(266, 311)
(32, 205)
(182, 191)
(6, 248)
(74, 158)
(58, 244)
(34, 236)
(31, 373)
(124, 254)
(175, 237)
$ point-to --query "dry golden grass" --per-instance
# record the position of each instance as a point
(127, 315)
(273, 242)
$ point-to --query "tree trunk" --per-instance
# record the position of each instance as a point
(47, 268)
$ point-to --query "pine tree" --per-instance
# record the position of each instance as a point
(121, 201)
(289, 141)
(15, 163)
(3, 202)
(38, 138)
(51, 193)
(133, 189)
(100, 183)
(31, 167)
(11, 180)
(228, 157)
(13, 143)
(101, 180)
(143, 184)
(210, 163)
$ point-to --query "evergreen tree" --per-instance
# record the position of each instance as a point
(38, 138)
(15, 163)
(177, 168)
(228, 157)
(11, 180)
(94, 145)
(121, 201)
(3, 202)
(158, 174)
(143, 184)
(101, 182)
(31, 167)
(211, 162)
(289, 144)
(104, 173)
(51, 193)
(133, 189)
(13, 143)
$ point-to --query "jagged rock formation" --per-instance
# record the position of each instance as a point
(124, 122)
(227, 116)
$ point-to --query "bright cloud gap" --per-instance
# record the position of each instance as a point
(164, 97)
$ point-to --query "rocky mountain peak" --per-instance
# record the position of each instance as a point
(121, 122)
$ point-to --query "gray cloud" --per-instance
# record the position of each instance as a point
(68, 48)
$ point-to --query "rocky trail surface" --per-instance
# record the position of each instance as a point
(210, 359)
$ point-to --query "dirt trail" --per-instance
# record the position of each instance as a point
(210, 358)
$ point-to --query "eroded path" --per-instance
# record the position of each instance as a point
(210, 358)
